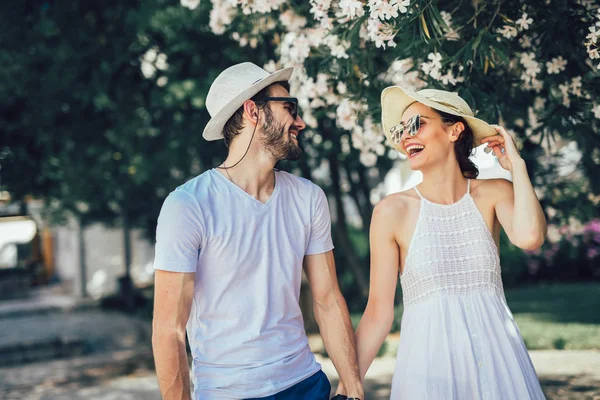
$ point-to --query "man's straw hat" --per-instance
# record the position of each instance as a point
(232, 88)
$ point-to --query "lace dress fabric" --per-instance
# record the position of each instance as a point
(458, 338)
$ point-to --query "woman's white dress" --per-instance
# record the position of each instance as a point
(458, 338)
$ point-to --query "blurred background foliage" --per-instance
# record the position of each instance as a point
(102, 105)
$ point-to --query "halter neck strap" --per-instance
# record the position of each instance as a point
(419, 193)
(468, 189)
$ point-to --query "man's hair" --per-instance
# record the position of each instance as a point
(463, 146)
(234, 125)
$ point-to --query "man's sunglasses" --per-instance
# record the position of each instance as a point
(292, 101)
(412, 126)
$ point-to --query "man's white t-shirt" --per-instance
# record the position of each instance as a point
(245, 329)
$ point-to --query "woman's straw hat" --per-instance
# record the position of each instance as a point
(395, 100)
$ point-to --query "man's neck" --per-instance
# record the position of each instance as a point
(254, 173)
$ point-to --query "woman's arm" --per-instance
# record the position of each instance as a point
(517, 206)
(377, 319)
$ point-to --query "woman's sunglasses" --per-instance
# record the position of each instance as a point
(412, 126)
(292, 102)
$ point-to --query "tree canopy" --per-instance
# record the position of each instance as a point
(102, 104)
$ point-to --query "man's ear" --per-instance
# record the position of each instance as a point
(456, 130)
(251, 111)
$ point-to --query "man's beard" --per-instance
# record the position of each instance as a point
(275, 142)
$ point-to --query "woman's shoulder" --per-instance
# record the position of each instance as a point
(396, 204)
(490, 185)
(492, 188)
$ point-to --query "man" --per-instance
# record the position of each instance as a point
(230, 247)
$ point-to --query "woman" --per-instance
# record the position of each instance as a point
(458, 337)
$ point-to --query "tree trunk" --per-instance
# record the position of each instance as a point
(361, 194)
(126, 284)
(82, 263)
(352, 259)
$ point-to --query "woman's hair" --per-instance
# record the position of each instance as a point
(234, 125)
(463, 146)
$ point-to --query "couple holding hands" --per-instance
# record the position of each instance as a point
(231, 245)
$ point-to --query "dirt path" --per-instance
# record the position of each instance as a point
(564, 375)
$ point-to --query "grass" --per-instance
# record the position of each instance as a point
(559, 316)
(556, 316)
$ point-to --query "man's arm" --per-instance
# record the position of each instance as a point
(333, 319)
(173, 293)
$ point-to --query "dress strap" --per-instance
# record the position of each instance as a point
(419, 193)
(468, 186)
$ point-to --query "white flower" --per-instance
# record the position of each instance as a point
(191, 4)
(539, 103)
(401, 73)
(594, 34)
(346, 115)
(451, 34)
(309, 119)
(259, 6)
(508, 31)
(596, 111)
(331, 98)
(153, 60)
(148, 69)
(151, 54)
(403, 7)
(524, 22)
(380, 33)
(576, 86)
(351, 8)
(322, 85)
(176, 173)
(387, 9)
(292, 21)
(593, 40)
(434, 66)
(525, 42)
(242, 40)
(557, 65)
(82, 207)
(316, 36)
(368, 139)
(345, 143)
(535, 85)
(527, 59)
(532, 68)
(448, 78)
(270, 67)
(317, 103)
(161, 62)
(221, 16)
(341, 88)
(294, 49)
(162, 81)
(338, 48)
(320, 8)
(564, 89)
(368, 159)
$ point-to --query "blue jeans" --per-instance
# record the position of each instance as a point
(315, 387)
